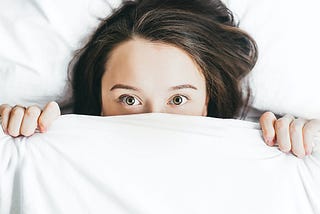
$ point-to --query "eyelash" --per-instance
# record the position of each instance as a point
(176, 95)
(122, 98)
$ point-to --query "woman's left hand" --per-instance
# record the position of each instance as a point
(291, 134)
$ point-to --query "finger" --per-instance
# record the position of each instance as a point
(282, 132)
(5, 113)
(15, 120)
(267, 123)
(310, 130)
(50, 112)
(296, 137)
(30, 119)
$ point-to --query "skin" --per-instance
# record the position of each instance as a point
(152, 77)
(291, 134)
(147, 77)
(21, 121)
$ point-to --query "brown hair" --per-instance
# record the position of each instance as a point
(205, 29)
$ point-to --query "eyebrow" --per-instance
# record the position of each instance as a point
(122, 86)
(173, 88)
(178, 87)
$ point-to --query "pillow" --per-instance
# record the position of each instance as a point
(37, 40)
(286, 78)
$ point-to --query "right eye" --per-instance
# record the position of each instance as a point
(129, 100)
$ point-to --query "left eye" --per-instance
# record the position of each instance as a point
(178, 100)
(129, 100)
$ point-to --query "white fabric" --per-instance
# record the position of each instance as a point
(37, 40)
(286, 78)
(38, 37)
(155, 164)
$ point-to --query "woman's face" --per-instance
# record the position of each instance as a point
(148, 77)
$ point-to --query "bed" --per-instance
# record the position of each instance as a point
(155, 163)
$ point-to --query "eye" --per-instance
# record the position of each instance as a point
(178, 100)
(129, 100)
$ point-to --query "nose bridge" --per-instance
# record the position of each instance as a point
(155, 108)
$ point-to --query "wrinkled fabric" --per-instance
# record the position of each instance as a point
(155, 164)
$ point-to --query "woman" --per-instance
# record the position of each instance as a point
(170, 56)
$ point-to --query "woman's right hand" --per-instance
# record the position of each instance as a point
(18, 120)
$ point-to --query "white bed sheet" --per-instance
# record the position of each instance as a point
(155, 164)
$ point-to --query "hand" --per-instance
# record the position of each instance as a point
(19, 120)
(295, 135)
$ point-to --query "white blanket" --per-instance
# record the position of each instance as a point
(153, 164)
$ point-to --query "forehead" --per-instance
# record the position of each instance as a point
(139, 60)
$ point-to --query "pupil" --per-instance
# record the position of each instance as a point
(177, 100)
(130, 100)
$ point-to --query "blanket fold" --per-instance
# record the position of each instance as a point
(153, 164)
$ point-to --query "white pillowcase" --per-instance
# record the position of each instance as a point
(286, 78)
(37, 40)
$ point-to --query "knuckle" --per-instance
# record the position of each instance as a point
(5, 111)
(32, 111)
(294, 128)
(266, 115)
(281, 124)
(289, 116)
(308, 127)
(53, 106)
(17, 112)
(306, 130)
